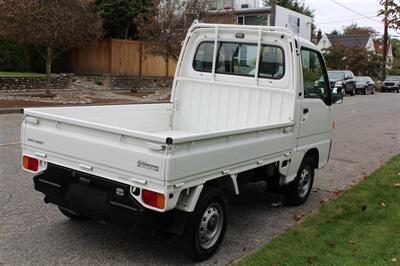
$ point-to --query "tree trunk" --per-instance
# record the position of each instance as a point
(49, 58)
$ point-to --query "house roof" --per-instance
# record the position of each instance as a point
(349, 40)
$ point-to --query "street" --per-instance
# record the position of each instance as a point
(367, 134)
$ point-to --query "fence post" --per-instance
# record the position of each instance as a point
(140, 58)
(167, 66)
(110, 56)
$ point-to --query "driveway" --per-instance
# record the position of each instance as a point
(367, 134)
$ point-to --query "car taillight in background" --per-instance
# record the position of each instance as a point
(30, 163)
(153, 199)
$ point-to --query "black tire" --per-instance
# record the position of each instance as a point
(296, 193)
(353, 92)
(365, 91)
(72, 215)
(211, 213)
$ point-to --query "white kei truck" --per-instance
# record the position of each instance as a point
(248, 104)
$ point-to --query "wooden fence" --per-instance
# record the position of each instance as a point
(120, 57)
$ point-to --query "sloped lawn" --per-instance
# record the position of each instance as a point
(361, 227)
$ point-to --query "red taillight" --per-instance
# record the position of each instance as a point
(153, 199)
(30, 163)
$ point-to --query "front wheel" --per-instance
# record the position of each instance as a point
(206, 228)
(299, 189)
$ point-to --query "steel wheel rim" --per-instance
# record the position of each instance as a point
(211, 224)
(304, 182)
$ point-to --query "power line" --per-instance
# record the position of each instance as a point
(352, 17)
(344, 20)
(356, 12)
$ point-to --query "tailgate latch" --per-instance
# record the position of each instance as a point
(156, 146)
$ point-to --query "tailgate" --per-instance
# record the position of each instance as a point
(116, 156)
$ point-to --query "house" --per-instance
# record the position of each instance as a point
(351, 40)
(251, 12)
(348, 40)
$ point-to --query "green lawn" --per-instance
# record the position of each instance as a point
(20, 74)
(361, 227)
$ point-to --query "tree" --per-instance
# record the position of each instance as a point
(53, 25)
(357, 59)
(334, 32)
(392, 12)
(165, 26)
(355, 29)
(119, 16)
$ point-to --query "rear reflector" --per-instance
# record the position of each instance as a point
(153, 199)
(30, 163)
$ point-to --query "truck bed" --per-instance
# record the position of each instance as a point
(110, 140)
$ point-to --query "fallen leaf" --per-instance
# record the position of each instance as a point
(351, 242)
(257, 241)
(396, 185)
(338, 192)
(297, 217)
(323, 201)
(383, 205)
(394, 259)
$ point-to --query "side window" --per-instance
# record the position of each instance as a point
(272, 63)
(203, 59)
(236, 59)
(315, 79)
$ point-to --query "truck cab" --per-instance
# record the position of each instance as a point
(248, 104)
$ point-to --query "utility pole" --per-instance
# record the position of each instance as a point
(385, 40)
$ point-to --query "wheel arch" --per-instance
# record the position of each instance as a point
(313, 153)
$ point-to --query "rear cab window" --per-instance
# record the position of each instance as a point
(235, 58)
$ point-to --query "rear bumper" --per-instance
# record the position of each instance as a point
(101, 199)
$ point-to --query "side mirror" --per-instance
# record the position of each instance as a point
(337, 96)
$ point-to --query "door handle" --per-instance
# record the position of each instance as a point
(305, 111)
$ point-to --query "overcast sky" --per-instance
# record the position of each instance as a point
(329, 15)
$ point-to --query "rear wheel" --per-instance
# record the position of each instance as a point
(72, 215)
(206, 228)
(299, 189)
(353, 91)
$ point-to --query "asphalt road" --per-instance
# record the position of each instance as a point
(367, 134)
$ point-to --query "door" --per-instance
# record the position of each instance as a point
(316, 119)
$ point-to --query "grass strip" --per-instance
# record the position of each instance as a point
(360, 227)
(21, 74)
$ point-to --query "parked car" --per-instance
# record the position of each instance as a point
(365, 84)
(391, 83)
(172, 165)
(342, 80)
